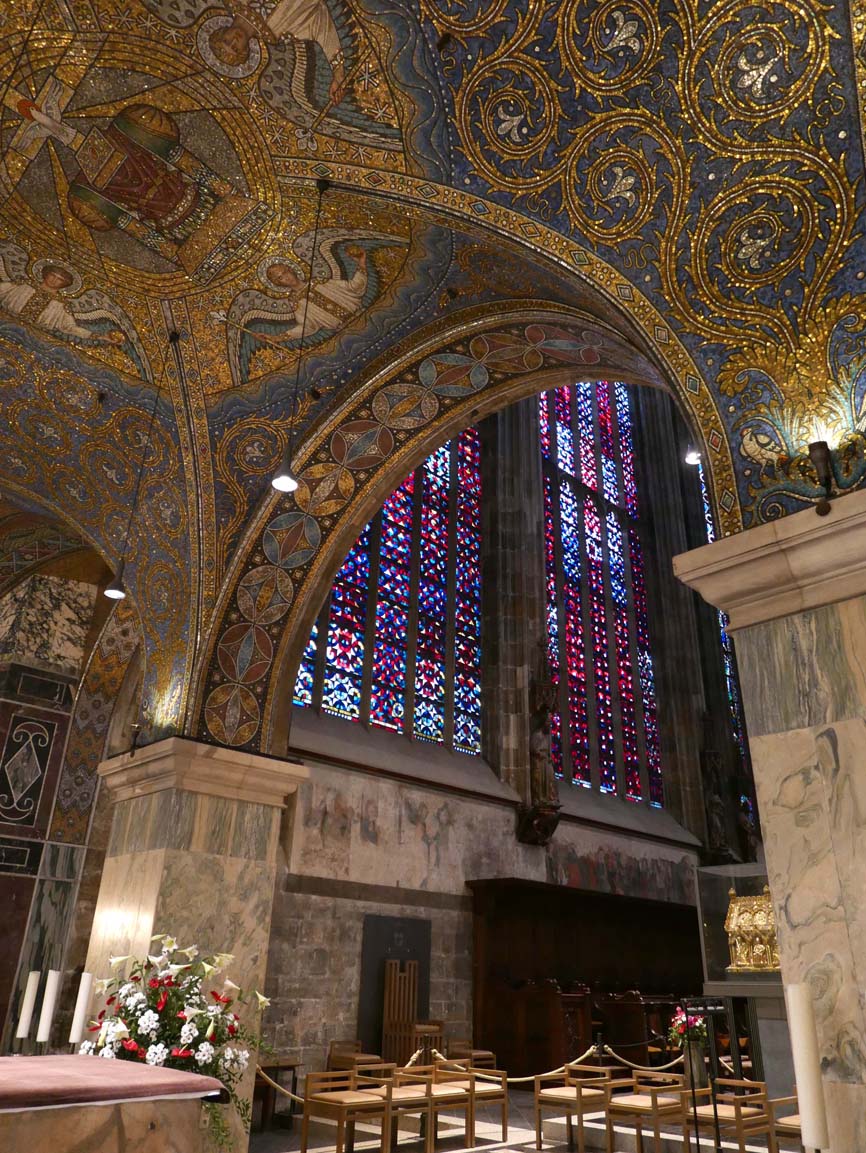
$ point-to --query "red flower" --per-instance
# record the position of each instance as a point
(154, 983)
(101, 1014)
(135, 977)
(130, 1045)
(232, 1030)
(163, 997)
(111, 1000)
(167, 981)
(93, 1028)
(142, 1055)
(181, 1052)
(182, 1015)
(219, 998)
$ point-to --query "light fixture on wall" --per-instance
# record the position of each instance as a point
(284, 479)
(822, 462)
(693, 456)
(115, 590)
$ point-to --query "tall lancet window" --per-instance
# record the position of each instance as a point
(397, 644)
(605, 731)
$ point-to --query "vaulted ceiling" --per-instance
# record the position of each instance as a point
(517, 193)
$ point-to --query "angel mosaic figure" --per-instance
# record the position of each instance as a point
(345, 282)
(309, 50)
(50, 298)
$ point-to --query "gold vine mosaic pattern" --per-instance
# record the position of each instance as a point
(712, 151)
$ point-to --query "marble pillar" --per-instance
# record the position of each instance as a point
(193, 853)
(795, 590)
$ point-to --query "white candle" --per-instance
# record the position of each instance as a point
(82, 1005)
(46, 1017)
(27, 1003)
(807, 1067)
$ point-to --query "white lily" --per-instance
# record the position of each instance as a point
(100, 985)
(222, 960)
(262, 1000)
(169, 945)
(115, 961)
(208, 969)
(158, 937)
(154, 959)
(209, 1031)
(230, 988)
(120, 1031)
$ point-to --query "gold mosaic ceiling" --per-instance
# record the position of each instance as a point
(672, 189)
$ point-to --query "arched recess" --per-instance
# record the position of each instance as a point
(349, 464)
(108, 699)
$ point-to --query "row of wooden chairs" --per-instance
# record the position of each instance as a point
(349, 1055)
(384, 1093)
(644, 1100)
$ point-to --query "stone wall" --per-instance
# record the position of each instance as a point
(360, 842)
(314, 961)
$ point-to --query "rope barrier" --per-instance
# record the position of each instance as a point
(513, 1080)
(274, 1085)
(497, 1080)
(644, 1068)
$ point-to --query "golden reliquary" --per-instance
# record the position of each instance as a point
(751, 928)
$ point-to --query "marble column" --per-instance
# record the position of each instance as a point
(795, 590)
(193, 853)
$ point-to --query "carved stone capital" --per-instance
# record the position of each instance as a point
(800, 562)
(191, 767)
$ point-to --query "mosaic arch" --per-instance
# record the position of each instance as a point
(297, 543)
(626, 144)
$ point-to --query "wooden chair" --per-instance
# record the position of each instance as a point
(486, 1091)
(575, 1095)
(463, 1050)
(644, 1099)
(787, 1127)
(426, 1091)
(741, 1109)
(337, 1096)
(348, 1055)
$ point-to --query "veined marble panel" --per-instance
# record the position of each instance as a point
(813, 815)
(803, 670)
(44, 941)
(123, 922)
(44, 621)
(196, 822)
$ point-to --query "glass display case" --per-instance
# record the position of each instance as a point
(738, 932)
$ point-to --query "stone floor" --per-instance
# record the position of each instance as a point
(521, 1136)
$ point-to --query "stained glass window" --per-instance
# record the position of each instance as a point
(731, 682)
(605, 729)
(402, 624)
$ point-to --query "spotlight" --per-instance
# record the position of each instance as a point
(692, 457)
(115, 590)
(284, 479)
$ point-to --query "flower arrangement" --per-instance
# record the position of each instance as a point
(163, 1013)
(686, 1027)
